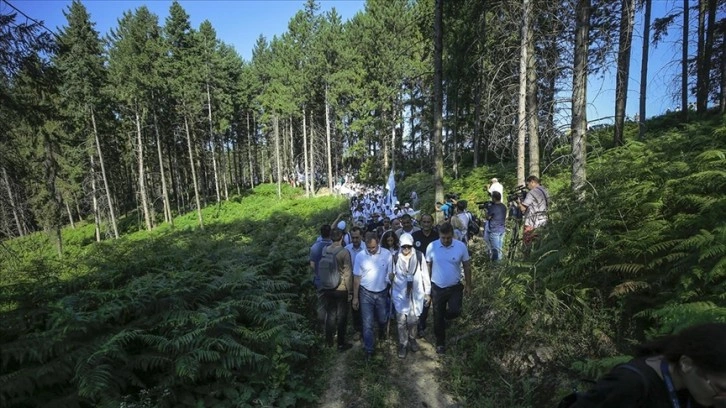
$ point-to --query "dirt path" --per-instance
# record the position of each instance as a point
(387, 381)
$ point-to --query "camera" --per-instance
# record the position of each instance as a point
(484, 205)
(451, 196)
(517, 193)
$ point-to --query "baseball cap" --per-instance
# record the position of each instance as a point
(406, 239)
(341, 225)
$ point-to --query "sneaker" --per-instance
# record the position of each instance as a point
(401, 351)
(440, 350)
(344, 347)
(413, 345)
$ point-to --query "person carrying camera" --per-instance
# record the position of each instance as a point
(496, 218)
(534, 206)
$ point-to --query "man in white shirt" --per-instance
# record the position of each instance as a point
(446, 257)
(355, 247)
(495, 185)
(370, 289)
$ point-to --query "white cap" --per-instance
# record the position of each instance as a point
(341, 225)
(407, 205)
(406, 239)
(494, 180)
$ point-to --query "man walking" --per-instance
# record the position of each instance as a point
(496, 218)
(370, 289)
(335, 301)
(410, 291)
(446, 257)
(534, 207)
(421, 240)
(354, 248)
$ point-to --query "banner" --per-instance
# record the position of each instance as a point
(391, 198)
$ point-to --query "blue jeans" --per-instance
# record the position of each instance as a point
(496, 242)
(373, 306)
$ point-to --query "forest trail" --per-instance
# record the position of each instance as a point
(387, 381)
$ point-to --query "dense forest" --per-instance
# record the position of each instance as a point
(149, 259)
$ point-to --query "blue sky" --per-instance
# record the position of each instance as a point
(240, 22)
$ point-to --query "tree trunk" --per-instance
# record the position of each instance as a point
(212, 146)
(701, 62)
(164, 191)
(142, 174)
(293, 167)
(393, 141)
(438, 103)
(684, 64)
(327, 138)
(194, 173)
(312, 156)
(627, 17)
(532, 103)
(722, 107)
(13, 204)
(579, 97)
(111, 210)
(249, 151)
(644, 69)
(277, 157)
(707, 53)
(94, 201)
(305, 153)
(522, 111)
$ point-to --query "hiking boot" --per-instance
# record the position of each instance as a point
(401, 351)
(440, 350)
(413, 345)
(344, 347)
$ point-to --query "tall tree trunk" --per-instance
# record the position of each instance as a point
(213, 146)
(479, 84)
(644, 69)
(722, 99)
(393, 141)
(293, 167)
(627, 17)
(438, 103)
(327, 139)
(94, 201)
(277, 158)
(51, 172)
(707, 53)
(111, 210)
(684, 64)
(522, 111)
(701, 62)
(532, 103)
(579, 97)
(312, 155)
(455, 135)
(13, 204)
(164, 190)
(249, 151)
(305, 153)
(194, 172)
(142, 173)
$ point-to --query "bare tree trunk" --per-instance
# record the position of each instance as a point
(277, 157)
(213, 147)
(707, 53)
(522, 112)
(684, 64)
(194, 173)
(438, 103)
(393, 141)
(13, 204)
(532, 103)
(142, 173)
(305, 153)
(164, 191)
(722, 99)
(327, 138)
(249, 152)
(579, 97)
(94, 201)
(111, 211)
(312, 155)
(644, 69)
(293, 167)
(627, 17)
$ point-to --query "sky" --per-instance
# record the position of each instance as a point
(240, 22)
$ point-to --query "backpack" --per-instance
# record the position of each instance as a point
(572, 398)
(328, 269)
(473, 228)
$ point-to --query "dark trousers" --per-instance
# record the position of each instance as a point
(357, 320)
(422, 319)
(335, 304)
(447, 306)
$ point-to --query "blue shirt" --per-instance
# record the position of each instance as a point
(497, 215)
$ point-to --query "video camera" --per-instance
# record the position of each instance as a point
(518, 193)
(484, 205)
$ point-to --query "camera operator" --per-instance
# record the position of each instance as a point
(534, 207)
(496, 217)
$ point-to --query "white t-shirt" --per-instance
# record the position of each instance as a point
(373, 269)
(497, 187)
(446, 262)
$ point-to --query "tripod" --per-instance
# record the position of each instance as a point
(514, 240)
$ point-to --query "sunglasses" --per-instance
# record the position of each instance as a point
(406, 246)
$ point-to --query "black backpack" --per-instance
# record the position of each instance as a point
(474, 226)
(570, 399)
(328, 269)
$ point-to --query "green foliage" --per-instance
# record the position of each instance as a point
(173, 317)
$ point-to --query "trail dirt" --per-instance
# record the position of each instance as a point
(387, 381)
